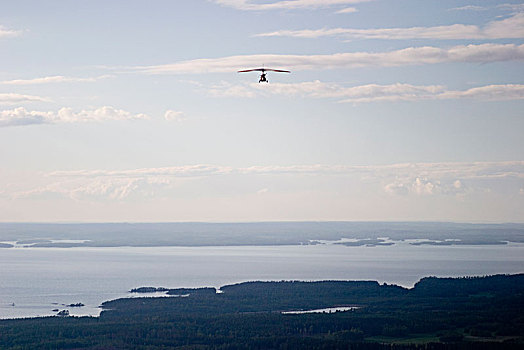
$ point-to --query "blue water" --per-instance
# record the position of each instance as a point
(38, 280)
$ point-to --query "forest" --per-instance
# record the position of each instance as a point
(437, 313)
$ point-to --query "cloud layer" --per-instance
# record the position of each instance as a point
(464, 170)
(370, 92)
(509, 28)
(484, 53)
(12, 99)
(247, 5)
(420, 179)
(469, 8)
(21, 116)
(52, 79)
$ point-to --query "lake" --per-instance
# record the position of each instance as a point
(34, 281)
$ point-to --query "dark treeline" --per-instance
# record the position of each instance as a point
(438, 313)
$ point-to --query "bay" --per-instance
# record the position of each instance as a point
(34, 281)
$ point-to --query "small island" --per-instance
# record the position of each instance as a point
(76, 305)
(148, 290)
(63, 313)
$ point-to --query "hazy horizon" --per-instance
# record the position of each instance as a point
(268, 221)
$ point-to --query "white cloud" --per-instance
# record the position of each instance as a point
(348, 10)
(423, 186)
(9, 33)
(442, 32)
(469, 8)
(53, 79)
(21, 116)
(465, 170)
(247, 5)
(484, 53)
(99, 189)
(12, 99)
(357, 94)
(487, 93)
(175, 171)
(118, 189)
(370, 92)
(512, 7)
(99, 114)
(398, 189)
(421, 179)
(171, 115)
(512, 27)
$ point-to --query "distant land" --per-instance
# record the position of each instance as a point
(437, 313)
(262, 233)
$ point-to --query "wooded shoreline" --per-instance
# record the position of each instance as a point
(437, 313)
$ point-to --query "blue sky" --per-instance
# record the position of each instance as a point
(134, 110)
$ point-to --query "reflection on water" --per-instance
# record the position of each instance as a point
(328, 310)
(36, 280)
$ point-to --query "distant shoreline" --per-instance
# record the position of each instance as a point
(256, 234)
(358, 243)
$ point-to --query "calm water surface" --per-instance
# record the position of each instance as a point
(38, 280)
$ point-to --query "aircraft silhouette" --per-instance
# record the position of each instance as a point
(263, 70)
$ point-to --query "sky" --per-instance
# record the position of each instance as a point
(394, 110)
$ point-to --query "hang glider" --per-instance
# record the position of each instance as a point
(263, 70)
